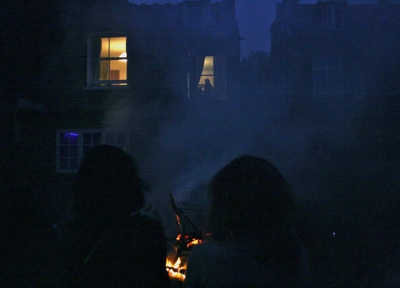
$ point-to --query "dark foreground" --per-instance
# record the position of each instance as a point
(352, 240)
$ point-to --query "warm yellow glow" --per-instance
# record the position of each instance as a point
(208, 68)
(123, 55)
(194, 242)
(174, 269)
(177, 269)
(112, 46)
(208, 71)
(111, 67)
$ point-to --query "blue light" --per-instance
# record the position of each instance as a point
(70, 134)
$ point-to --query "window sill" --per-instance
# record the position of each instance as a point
(67, 172)
(120, 87)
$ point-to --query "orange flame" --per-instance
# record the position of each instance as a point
(175, 269)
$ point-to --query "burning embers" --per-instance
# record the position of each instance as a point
(184, 242)
(176, 270)
(176, 263)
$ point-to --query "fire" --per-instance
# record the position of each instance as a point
(189, 241)
(176, 270)
(184, 243)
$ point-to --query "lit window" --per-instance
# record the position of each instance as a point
(327, 76)
(209, 78)
(72, 145)
(107, 61)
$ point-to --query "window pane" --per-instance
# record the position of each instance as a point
(73, 163)
(208, 68)
(117, 46)
(73, 138)
(118, 70)
(109, 61)
(105, 47)
(63, 137)
(206, 80)
(63, 163)
(96, 138)
(63, 151)
(73, 151)
(104, 68)
(87, 138)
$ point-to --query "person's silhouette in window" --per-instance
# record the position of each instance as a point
(207, 86)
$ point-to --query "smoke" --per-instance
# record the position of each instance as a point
(179, 153)
(331, 145)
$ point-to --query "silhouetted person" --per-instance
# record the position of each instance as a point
(252, 243)
(207, 86)
(106, 242)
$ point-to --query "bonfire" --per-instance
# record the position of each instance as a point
(177, 260)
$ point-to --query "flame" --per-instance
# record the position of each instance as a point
(194, 242)
(190, 242)
(175, 269)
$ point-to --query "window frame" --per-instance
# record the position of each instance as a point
(91, 60)
(122, 139)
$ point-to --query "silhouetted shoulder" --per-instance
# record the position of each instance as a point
(131, 253)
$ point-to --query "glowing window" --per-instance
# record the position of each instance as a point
(210, 77)
(207, 74)
(107, 61)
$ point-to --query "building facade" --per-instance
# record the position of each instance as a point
(110, 72)
(117, 54)
(333, 51)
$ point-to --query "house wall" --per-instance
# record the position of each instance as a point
(160, 38)
(368, 46)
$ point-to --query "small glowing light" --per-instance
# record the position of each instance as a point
(123, 55)
(71, 134)
(334, 234)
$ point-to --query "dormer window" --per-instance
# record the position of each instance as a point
(333, 17)
(107, 61)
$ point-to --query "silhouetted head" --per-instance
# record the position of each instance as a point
(107, 185)
(248, 194)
